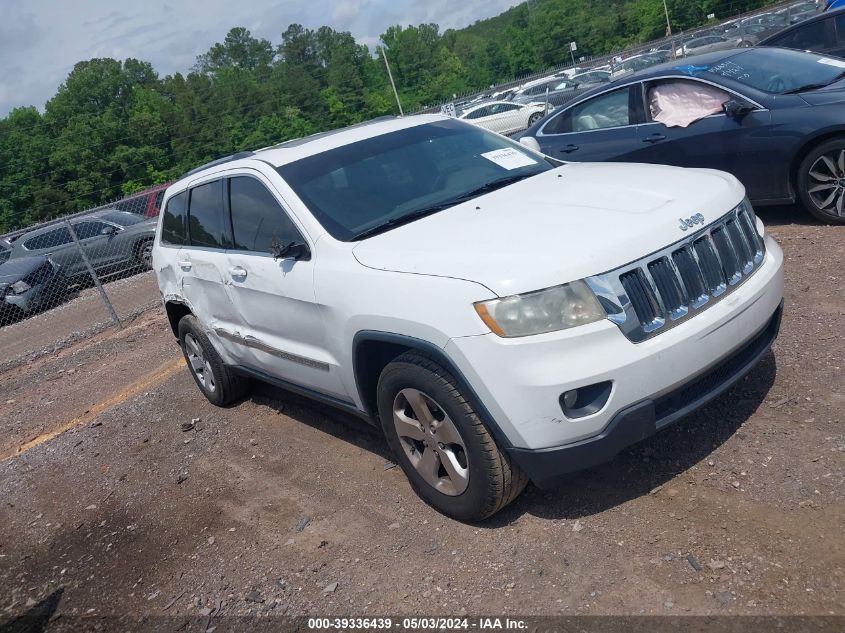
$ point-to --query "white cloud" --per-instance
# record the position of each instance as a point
(41, 41)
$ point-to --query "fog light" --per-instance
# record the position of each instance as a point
(584, 401)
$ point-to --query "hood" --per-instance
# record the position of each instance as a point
(834, 93)
(569, 223)
(16, 269)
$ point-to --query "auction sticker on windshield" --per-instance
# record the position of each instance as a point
(509, 158)
(832, 62)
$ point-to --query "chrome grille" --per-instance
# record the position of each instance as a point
(664, 289)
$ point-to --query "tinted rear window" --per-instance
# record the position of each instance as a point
(205, 215)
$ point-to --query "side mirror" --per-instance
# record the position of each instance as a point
(737, 109)
(108, 230)
(292, 250)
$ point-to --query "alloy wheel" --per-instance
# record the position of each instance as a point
(431, 441)
(147, 255)
(827, 183)
(198, 363)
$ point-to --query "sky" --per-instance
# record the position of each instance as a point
(41, 40)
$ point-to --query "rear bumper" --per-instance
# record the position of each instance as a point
(545, 467)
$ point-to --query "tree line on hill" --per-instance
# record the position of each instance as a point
(115, 127)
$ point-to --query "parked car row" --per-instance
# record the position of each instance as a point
(40, 266)
(772, 117)
(115, 239)
(564, 86)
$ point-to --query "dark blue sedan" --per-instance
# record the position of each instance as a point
(774, 118)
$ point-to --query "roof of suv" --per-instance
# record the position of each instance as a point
(293, 150)
(826, 15)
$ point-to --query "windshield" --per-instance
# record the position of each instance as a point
(779, 70)
(357, 188)
(123, 218)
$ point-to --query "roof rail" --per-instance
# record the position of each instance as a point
(296, 142)
(217, 161)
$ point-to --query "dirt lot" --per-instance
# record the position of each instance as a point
(279, 506)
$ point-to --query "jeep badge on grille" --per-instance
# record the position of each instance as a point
(687, 224)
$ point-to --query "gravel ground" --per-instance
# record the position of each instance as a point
(278, 506)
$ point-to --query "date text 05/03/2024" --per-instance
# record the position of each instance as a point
(417, 623)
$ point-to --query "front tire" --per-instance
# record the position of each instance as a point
(534, 118)
(447, 453)
(821, 181)
(144, 254)
(219, 384)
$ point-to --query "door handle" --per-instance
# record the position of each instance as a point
(569, 149)
(185, 264)
(654, 138)
(237, 273)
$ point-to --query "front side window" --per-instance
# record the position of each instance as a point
(477, 114)
(258, 220)
(89, 229)
(382, 182)
(679, 102)
(174, 225)
(205, 215)
(499, 108)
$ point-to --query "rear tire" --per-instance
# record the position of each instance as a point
(447, 453)
(217, 382)
(821, 181)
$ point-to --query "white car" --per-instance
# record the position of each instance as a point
(504, 117)
(500, 315)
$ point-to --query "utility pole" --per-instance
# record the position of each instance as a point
(669, 29)
(390, 75)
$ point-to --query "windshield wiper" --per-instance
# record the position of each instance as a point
(440, 206)
(815, 86)
(394, 222)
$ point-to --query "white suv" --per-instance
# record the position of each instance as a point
(500, 315)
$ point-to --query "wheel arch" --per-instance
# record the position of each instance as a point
(373, 350)
(176, 310)
(808, 147)
(139, 244)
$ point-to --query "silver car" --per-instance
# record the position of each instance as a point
(712, 43)
(113, 241)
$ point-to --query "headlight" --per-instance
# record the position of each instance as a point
(20, 287)
(549, 310)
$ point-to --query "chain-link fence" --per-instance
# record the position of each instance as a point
(510, 108)
(70, 277)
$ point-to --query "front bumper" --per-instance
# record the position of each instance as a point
(545, 467)
(520, 381)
